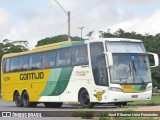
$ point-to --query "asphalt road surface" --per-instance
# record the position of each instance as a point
(10, 106)
(63, 113)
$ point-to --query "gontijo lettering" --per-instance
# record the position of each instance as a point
(32, 76)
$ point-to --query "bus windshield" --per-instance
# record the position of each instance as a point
(130, 68)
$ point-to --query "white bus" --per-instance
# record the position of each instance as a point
(109, 70)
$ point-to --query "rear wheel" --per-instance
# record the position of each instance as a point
(85, 99)
(26, 102)
(18, 99)
(53, 104)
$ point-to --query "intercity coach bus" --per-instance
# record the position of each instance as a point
(108, 70)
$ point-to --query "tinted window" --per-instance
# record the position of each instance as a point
(15, 64)
(24, 62)
(80, 55)
(6, 65)
(49, 59)
(64, 57)
(35, 61)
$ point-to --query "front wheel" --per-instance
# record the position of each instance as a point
(85, 99)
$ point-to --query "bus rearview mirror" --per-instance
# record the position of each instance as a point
(109, 58)
(156, 59)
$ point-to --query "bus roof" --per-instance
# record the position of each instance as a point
(67, 44)
(113, 39)
(45, 48)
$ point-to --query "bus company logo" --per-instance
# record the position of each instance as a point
(32, 76)
(82, 73)
(6, 114)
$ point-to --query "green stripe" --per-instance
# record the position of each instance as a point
(57, 81)
(51, 83)
(62, 81)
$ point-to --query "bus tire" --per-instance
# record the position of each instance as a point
(18, 99)
(25, 99)
(85, 99)
(53, 104)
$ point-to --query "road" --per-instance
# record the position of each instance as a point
(58, 113)
(10, 106)
(66, 111)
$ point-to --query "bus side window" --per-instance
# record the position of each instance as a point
(48, 59)
(64, 57)
(24, 62)
(15, 62)
(6, 65)
(35, 61)
(81, 55)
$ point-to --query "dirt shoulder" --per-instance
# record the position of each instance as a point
(149, 108)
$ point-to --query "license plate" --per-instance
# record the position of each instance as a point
(134, 96)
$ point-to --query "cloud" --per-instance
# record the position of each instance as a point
(5, 22)
(149, 25)
(35, 24)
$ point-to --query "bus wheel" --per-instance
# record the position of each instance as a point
(25, 100)
(53, 104)
(85, 100)
(18, 99)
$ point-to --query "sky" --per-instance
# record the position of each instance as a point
(33, 20)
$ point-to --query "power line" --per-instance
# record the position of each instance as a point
(89, 7)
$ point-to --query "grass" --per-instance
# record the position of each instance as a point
(84, 114)
(154, 101)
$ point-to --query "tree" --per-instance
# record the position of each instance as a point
(56, 39)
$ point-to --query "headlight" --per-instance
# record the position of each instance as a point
(115, 89)
(149, 88)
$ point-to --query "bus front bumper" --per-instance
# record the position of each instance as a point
(115, 96)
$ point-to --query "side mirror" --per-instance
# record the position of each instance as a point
(109, 57)
(156, 59)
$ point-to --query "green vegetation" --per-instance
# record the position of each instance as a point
(154, 101)
(84, 114)
(56, 39)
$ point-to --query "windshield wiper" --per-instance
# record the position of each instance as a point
(134, 68)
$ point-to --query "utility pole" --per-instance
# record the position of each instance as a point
(81, 28)
(68, 14)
